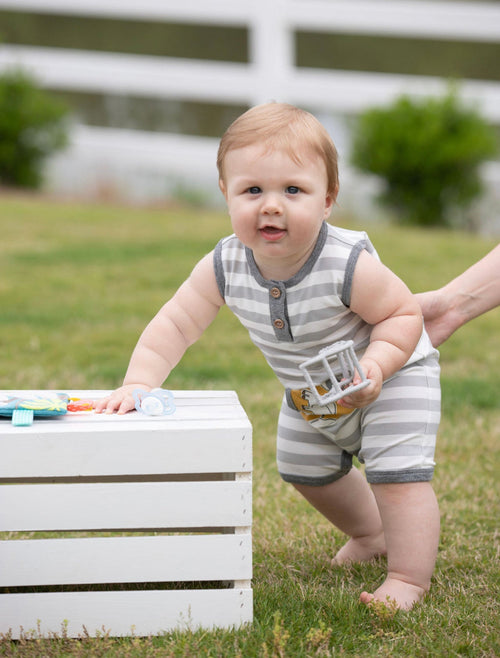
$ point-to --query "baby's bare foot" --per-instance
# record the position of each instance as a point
(360, 549)
(395, 594)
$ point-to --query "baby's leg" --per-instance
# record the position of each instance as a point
(350, 505)
(410, 517)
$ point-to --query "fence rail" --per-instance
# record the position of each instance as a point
(229, 82)
(467, 21)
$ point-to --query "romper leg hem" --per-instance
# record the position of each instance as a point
(314, 482)
(388, 477)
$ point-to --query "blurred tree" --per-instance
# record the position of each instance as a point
(428, 152)
(32, 127)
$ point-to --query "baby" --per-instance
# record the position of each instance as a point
(298, 285)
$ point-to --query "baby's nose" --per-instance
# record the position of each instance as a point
(271, 205)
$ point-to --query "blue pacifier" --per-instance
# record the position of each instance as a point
(158, 402)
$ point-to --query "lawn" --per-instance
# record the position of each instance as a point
(78, 283)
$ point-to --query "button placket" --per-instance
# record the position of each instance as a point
(278, 311)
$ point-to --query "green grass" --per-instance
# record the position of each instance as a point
(79, 282)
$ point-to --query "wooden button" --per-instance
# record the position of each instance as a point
(279, 324)
(276, 293)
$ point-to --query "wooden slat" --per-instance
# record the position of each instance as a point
(225, 448)
(190, 406)
(209, 432)
(124, 613)
(125, 560)
(183, 396)
(125, 505)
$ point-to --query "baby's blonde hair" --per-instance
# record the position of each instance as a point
(279, 126)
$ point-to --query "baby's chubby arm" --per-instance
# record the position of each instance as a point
(386, 303)
(176, 326)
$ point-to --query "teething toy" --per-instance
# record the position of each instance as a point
(77, 404)
(342, 357)
(158, 402)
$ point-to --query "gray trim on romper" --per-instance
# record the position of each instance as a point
(349, 272)
(269, 283)
(278, 306)
(301, 274)
(346, 466)
(392, 477)
(219, 270)
(379, 477)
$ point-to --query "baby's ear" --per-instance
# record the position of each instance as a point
(329, 202)
(331, 198)
(222, 187)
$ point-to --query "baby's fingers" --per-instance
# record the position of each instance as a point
(105, 405)
(114, 403)
(126, 405)
(359, 398)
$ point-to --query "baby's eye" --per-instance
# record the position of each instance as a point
(254, 190)
(292, 189)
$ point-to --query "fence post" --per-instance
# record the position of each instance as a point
(271, 50)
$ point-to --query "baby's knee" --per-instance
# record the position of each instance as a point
(398, 492)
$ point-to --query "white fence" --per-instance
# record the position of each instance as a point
(270, 73)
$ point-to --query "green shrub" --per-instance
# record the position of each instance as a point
(32, 127)
(428, 152)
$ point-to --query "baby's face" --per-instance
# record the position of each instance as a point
(276, 205)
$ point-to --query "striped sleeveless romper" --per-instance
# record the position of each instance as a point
(290, 321)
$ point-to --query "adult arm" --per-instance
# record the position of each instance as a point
(473, 293)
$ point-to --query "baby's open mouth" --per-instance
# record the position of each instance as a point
(272, 232)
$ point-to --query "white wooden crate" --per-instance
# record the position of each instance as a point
(114, 489)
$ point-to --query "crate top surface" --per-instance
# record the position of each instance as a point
(194, 410)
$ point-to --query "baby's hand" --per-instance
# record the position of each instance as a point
(367, 395)
(120, 400)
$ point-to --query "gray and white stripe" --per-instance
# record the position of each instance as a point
(290, 321)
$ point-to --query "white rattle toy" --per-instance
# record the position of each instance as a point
(340, 364)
